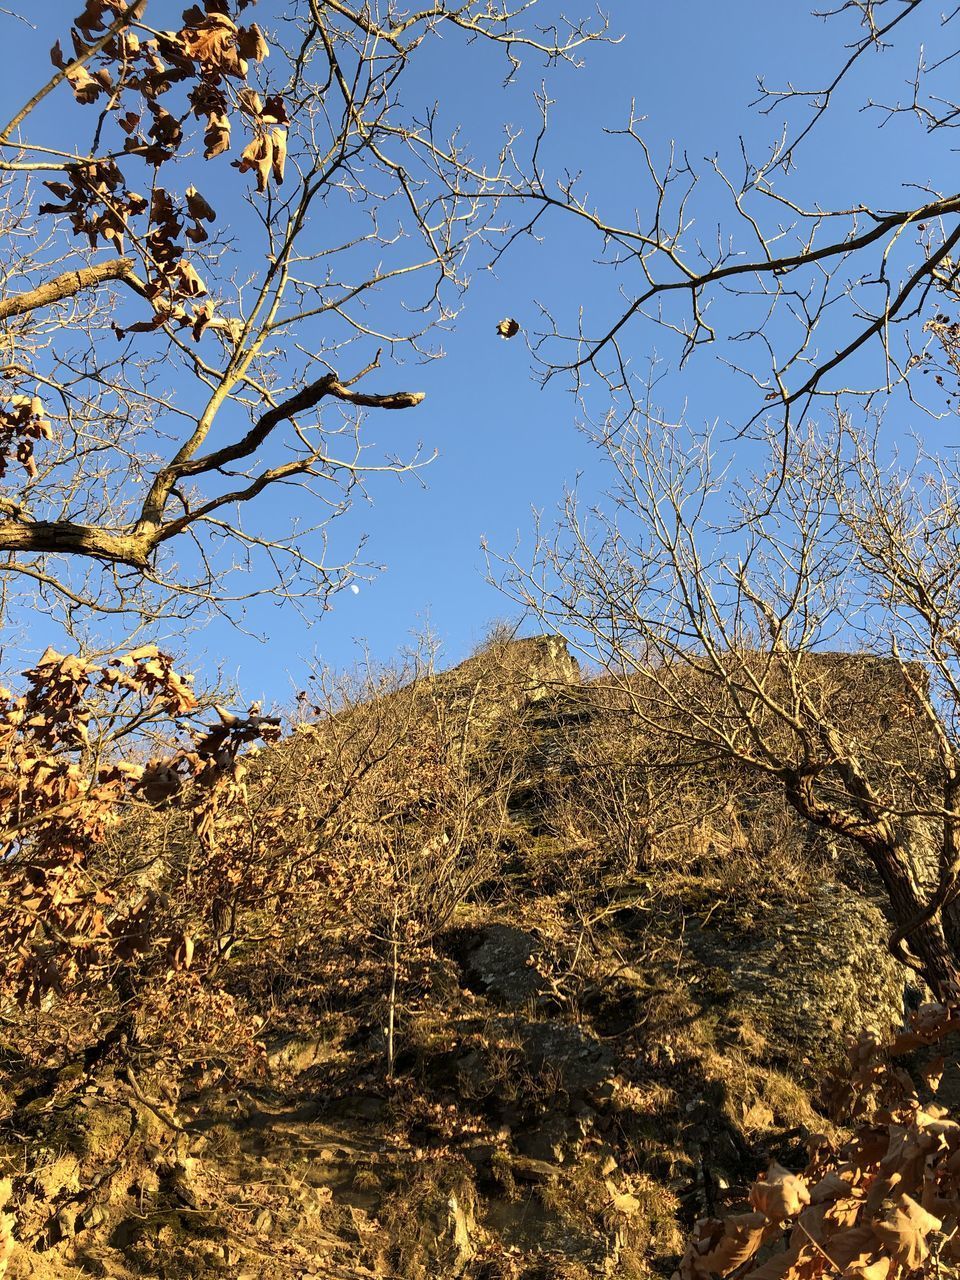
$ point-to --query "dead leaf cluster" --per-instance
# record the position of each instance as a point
(129, 79)
(879, 1206)
(21, 424)
(68, 776)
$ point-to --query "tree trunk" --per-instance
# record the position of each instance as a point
(927, 940)
(951, 927)
(936, 957)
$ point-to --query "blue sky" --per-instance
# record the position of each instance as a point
(506, 445)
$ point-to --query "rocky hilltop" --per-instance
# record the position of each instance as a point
(543, 1054)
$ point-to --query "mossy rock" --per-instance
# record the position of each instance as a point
(808, 971)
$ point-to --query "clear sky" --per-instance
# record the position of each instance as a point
(506, 445)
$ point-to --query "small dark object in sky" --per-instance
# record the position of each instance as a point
(508, 328)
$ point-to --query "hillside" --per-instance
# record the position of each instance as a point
(543, 1000)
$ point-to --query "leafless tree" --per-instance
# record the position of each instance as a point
(811, 303)
(167, 361)
(802, 624)
(727, 586)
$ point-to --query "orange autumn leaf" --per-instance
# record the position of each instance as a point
(903, 1230)
(780, 1195)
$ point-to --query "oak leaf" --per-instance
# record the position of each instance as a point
(216, 136)
(252, 44)
(212, 41)
(869, 1267)
(781, 1194)
(722, 1247)
(903, 1230)
(279, 140)
(189, 281)
(257, 155)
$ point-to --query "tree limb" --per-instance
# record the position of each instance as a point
(67, 285)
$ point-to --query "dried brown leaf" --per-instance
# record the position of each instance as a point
(252, 44)
(903, 1231)
(780, 1194)
(721, 1247)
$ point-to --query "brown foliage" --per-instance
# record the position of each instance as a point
(876, 1206)
(21, 424)
(65, 783)
(142, 854)
(131, 74)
